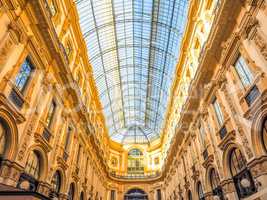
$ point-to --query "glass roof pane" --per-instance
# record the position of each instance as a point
(133, 46)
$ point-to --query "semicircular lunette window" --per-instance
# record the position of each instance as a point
(133, 46)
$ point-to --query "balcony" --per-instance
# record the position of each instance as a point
(135, 176)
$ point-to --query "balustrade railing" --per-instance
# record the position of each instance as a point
(132, 176)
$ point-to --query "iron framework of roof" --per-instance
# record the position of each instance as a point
(133, 46)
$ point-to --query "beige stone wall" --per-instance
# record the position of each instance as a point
(62, 74)
(216, 35)
(243, 34)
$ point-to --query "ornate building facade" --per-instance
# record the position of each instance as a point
(56, 141)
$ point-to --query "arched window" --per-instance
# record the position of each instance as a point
(237, 161)
(3, 134)
(201, 195)
(33, 165)
(56, 182)
(214, 179)
(135, 194)
(189, 195)
(242, 177)
(71, 192)
(215, 184)
(23, 75)
(135, 161)
(82, 196)
(264, 134)
(135, 152)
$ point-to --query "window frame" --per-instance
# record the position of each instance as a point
(57, 181)
(218, 112)
(239, 164)
(30, 169)
(51, 114)
(214, 179)
(68, 138)
(201, 195)
(243, 71)
(17, 81)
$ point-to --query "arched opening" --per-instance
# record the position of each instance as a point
(71, 192)
(82, 196)
(29, 179)
(201, 195)
(215, 184)
(135, 162)
(3, 139)
(241, 175)
(189, 195)
(135, 194)
(56, 184)
(32, 167)
(264, 134)
(159, 194)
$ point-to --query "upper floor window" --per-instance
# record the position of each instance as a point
(24, 74)
(135, 161)
(158, 194)
(189, 195)
(82, 196)
(112, 196)
(50, 114)
(33, 165)
(243, 72)
(135, 152)
(202, 135)
(67, 143)
(56, 182)
(201, 195)
(71, 192)
(214, 179)
(237, 162)
(218, 112)
(79, 154)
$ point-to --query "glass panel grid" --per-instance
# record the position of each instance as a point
(133, 46)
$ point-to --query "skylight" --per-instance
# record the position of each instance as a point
(133, 46)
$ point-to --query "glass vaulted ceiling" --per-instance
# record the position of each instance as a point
(133, 46)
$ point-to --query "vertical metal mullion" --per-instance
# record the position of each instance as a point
(164, 66)
(102, 60)
(149, 54)
(117, 51)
